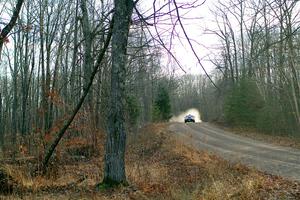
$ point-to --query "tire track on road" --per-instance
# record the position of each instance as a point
(266, 157)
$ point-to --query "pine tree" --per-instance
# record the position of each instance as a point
(162, 106)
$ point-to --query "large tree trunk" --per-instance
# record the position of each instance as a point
(114, 169)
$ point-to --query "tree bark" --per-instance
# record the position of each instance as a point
(1, 126)
(114, 166)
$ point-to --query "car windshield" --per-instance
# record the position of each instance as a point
(189, 117)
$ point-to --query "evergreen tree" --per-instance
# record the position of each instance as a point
(162, 106)
(243, 104)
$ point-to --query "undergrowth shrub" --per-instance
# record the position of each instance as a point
(276, 120)
(6, 182)
(79, 147)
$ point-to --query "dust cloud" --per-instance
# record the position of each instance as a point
(192, 111)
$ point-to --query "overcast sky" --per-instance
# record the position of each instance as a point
(195, 21)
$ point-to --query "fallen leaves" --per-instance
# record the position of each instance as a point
(158, 166)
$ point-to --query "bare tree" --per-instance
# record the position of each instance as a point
(6, 30)
(68, 122)
(114, 166)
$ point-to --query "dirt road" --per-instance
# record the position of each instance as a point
(276, 160)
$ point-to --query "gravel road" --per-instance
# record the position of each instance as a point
(273, 159)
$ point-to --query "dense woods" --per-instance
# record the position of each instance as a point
(73, 68)
(256, 68)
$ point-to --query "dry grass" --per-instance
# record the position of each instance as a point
(158, 166)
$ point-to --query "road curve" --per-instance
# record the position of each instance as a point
(282, 161)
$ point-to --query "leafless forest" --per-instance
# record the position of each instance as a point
(73, 70)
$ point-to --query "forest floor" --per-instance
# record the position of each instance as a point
(158, 166)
